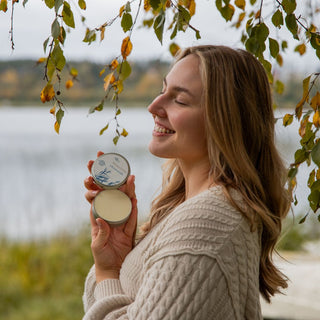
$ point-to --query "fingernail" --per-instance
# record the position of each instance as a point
(99, 223)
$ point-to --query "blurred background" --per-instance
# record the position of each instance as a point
(44, 231)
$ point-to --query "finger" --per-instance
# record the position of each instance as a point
(103, 234)
(90, 162)
(90, 184)
(94, 226)
(91, 194)
(131, 224)
(129, 187)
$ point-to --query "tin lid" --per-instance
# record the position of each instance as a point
(110, 170)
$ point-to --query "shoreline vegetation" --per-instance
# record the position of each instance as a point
(21, 82)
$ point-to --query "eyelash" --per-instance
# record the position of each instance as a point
(176, 101)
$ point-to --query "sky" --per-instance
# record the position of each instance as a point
(32, 26)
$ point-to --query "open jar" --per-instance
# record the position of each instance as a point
(110, 171)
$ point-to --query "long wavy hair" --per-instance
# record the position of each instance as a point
(240, 139)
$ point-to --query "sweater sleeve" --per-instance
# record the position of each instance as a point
(182, 286)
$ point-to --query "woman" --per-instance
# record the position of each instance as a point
(205, 252)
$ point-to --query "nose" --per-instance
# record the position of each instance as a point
(156, 108)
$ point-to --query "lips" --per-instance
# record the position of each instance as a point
(161, 129)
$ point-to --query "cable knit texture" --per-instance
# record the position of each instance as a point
(201, 262)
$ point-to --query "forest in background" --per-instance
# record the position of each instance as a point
(21, 82)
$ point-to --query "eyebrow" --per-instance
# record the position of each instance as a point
(179, 89)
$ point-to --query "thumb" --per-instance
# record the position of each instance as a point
(103, 233)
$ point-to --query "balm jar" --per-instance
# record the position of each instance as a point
(110, 171)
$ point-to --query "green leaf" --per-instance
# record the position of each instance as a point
(155, 4)
(287, 119)
(55, 29)
(279, 87)
(115, 140)
(292, 25)
(126, 22)
(49, 3)
(124, 70)
(58, 57)
(50, 68)
(67, 15)
(311, 179)
(292, 172)
(104, 129)
(57, 5)
(24, 2)
(314, 198)
(59, 115)
(118, 112)
(45, 44)
(284, 45)
(227, 12)
(90, 36)
(158, 25)
(315, 41)
(148, 23)
(315, 154)
(183, 18)
(82, 4)
(300, 156)
(289, 6)
(277, 19)
(274, 47)
(303, 219)
(262, 32)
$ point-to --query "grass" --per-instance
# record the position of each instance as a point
(44, 280)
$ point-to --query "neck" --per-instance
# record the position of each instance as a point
(196, 177)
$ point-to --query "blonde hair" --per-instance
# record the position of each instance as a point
(242, 153)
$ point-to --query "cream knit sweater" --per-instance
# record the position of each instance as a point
(200, 262)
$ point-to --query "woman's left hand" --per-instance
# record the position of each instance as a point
(110, 245)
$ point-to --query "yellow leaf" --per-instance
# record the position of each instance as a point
(124, 132)
(102, 72)
(57, 127)
(69, 84)
(47, 93)
(3, 5)
(118, 86)
(107, 81)
(174, 48)
(303, 125)
(53, 110)
(102, 30)
(315, 101)
(192, 7)
(279, 60)
(126, 47)
(240, 19)
(146, 5)
(113, 65)
(240, 4)
(287, 119)
(41, 60)
(301, 48)
(74, 72)
(121, 10)
(318, 174)
(258, 14)
(316, 119)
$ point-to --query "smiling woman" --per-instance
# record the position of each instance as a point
(206, 250)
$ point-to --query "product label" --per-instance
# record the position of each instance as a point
(110, 170)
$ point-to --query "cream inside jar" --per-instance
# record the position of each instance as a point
(110, 171)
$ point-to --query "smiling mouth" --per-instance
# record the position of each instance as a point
(162, 130)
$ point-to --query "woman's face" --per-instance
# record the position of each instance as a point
(179, 130)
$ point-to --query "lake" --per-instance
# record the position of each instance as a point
(42, 173)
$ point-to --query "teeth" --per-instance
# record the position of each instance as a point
(162, 130)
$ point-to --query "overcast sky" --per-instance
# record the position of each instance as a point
(32, 26)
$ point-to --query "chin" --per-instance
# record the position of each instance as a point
(159, 152)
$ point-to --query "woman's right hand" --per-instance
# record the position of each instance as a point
(110, 245)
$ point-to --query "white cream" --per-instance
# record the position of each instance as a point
(114, 206)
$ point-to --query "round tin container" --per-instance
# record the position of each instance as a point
(110, 171)
(113, 206)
